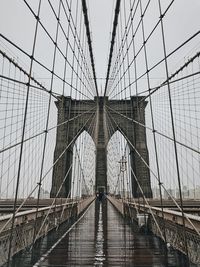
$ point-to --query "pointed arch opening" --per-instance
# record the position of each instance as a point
(83, 166)
(118, 166)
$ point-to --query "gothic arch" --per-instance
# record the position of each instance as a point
(111, 115)
(74, 117)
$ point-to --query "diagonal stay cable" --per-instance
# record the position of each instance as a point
(51, 38)
(49, 129)
(135, 177)
(48, 171)
(115, 22)
(153, 90)
(57, 193)
(52, 204)
(156, 131)
(152, 172)
(84, 6)
(38, 62)
(162, 60)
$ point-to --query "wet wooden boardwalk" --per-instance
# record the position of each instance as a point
(104, 238)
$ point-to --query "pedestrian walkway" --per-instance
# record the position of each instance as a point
(103, 238)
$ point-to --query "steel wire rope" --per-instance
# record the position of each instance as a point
(123, 142)
(75, 99)
(122, 40)
(167, 56)
(122, 45)
(152, 118)
(39, 85)
(47, 172)
(87, 68)
(79, 180)
(156, 131)
(131, 104)
(120, 172)
(70, 191)
(49, 129)
(173, 130)
(37, 61)
(75, 106)
(153, 90)
(51, 38)
(22, 139)
(137, 27)
(3, 150)
(73, 179)
(67, 39)
(115, 22)
(115, 145)
(36, 235)
(170, 82)
(47, 124)
(130, 118)
(147, 165)
(4, 131)
(197, 129)
(59, 189)
(78, 106)
(147, 203)
(87, 25)
(91, 134)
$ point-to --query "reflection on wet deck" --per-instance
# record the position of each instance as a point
(104, 238)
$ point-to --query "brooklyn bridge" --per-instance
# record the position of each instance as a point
(99, 133)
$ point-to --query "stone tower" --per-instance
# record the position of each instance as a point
(126, 116)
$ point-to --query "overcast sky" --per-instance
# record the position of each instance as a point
(182, 21)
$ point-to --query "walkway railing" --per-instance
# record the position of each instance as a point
(170, 227)
(48, 218)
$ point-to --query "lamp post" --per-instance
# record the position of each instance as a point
(91, 187)
(123, 167)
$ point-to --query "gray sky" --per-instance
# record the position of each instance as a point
(182, 21)
(101, 15)
(17, 23)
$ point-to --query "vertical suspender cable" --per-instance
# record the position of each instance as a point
(152, 118)
(173, 128)
(47, 121)
(115, 22)
(23, 134)
(84, 6)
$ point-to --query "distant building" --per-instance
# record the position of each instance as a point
(44, 194)
(191, 193)
(156, 192)
(194, 192)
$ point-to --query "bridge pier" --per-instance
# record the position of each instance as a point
(101, 149)
(128, 116)
(140, 151)
(63, 169)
